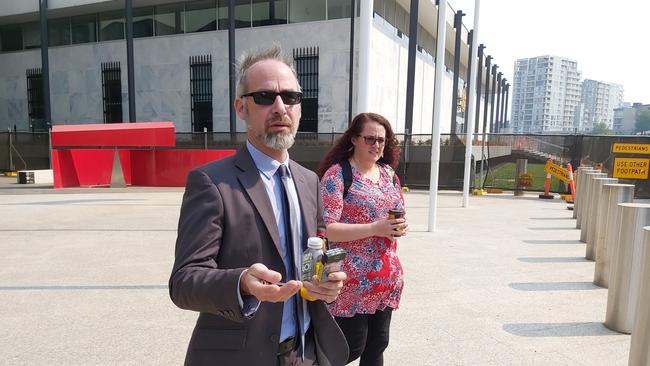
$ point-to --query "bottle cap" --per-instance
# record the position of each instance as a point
(315, 243)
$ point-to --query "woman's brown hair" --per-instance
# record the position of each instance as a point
(343, 147)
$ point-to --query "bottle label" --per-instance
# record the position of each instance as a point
(307, 266)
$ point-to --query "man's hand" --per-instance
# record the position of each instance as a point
(259, 281)
(326, 291)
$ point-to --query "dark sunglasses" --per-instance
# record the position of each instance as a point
(268, 97)
(370, 140)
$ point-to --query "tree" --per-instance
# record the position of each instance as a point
(600, 128)
(642, 120)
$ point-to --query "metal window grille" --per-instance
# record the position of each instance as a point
(306, 61)
(112, 92)
(35, 102)
(201, 92)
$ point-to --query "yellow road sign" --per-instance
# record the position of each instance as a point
(631, 168)
(557, 171)
(630, 148)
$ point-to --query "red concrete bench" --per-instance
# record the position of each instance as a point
(95, 154)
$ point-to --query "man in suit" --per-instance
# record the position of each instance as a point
(242, 226)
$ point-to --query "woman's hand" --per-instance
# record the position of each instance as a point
(390, 228)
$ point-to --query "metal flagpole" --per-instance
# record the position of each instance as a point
(470, 113)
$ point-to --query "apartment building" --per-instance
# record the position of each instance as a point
(598, 101)
(546, 93)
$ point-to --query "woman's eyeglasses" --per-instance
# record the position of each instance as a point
(268, 97)
(371, 140)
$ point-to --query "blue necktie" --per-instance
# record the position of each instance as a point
(292, 242)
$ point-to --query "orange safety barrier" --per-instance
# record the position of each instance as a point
(571, 182)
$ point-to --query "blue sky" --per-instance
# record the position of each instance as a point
(608, 39)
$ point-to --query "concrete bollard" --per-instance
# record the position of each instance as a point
(640, 342)
(580, 192)
(585, 211)
(597, 206)
(625, 276)
(607, 238)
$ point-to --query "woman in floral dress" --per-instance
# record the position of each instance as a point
(359, 224)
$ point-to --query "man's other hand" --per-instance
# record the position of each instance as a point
(326, 291)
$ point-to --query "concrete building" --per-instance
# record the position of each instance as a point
(181, 60)
(624, 121)
(598, 101)
(546, 92)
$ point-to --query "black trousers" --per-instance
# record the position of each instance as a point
(367, 336)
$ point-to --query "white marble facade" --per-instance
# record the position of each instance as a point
(162, 76)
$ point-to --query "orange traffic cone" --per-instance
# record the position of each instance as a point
(547, 188)
(571, 183)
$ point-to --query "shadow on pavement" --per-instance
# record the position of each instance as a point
(587, 329)
(552, 241)
(553, 259)
(554, 286)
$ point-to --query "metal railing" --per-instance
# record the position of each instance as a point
(498, 153)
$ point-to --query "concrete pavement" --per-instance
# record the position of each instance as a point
(83, 281)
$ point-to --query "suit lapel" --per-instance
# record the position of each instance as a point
(252, 183)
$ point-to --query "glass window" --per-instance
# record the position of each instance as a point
(169, 19)
(11, 38)
(242, 14)
(142, 22)
(337, 9)
(200, 16)
(84, 29)
(389, 11)
(401, 20)
(306, 10)
(111, 25)
(32, 35)
(267, 12)
(58, 31)
(281, 12)
(378, 8)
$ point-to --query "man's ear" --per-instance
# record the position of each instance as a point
(240, 109)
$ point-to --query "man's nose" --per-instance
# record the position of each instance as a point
(279, 106)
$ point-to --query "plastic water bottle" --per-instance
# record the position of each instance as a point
(311, 263)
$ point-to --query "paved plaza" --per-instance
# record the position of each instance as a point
(83, 281)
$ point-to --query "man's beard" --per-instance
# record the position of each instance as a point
(279, 140)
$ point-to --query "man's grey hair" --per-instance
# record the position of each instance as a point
(249, 59)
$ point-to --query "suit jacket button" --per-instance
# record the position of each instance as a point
(275, 338)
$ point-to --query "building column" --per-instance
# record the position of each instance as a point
(493, 94)
(486, 102)
(128, 5)
(353, 10)
(505, 109)
(458, 24)
(468, 84)
(45, 64)
(232, 74)
(479, 81)
(365, 29)
(502, 119)
(497, 90)
(410, 70)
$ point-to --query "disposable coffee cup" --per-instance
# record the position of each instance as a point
(396, 213)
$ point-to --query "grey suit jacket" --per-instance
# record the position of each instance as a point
(227, 224)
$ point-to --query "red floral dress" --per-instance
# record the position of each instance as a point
(375, 276)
